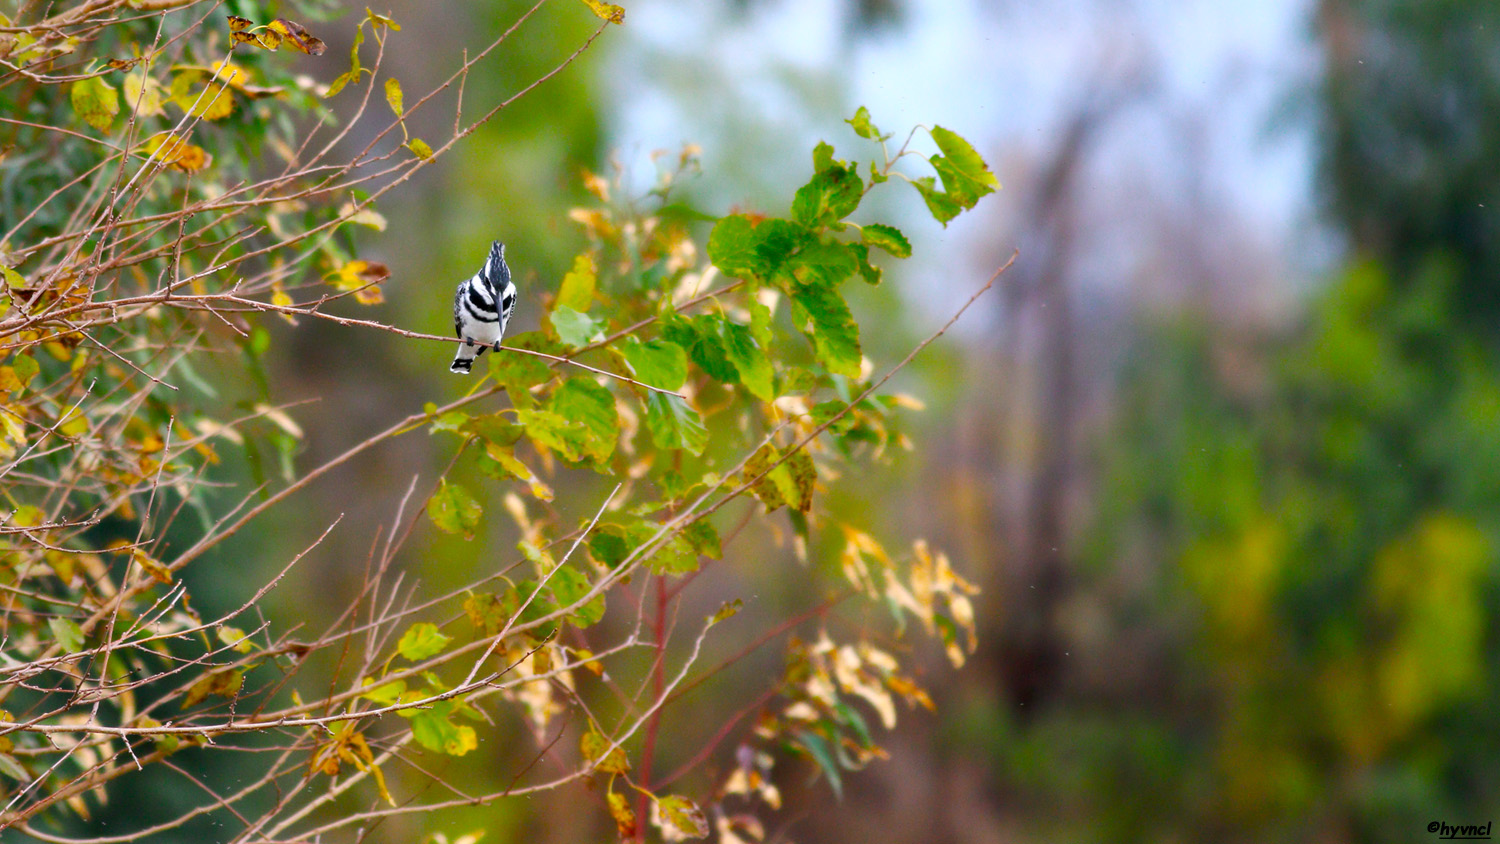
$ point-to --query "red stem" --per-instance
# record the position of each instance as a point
(658, 682)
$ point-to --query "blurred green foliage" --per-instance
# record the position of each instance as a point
(1321, 508)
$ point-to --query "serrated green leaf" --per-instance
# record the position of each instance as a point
(609, 545)
(862, 125)
(577, 291)
(454, 510)
(733, 247)
(823, 157)
(569, 585)
(821, 313)
(585, 401)
(888, 238)
(942, 206)
(95, 102)
(867, 271)
(754, 368)
(67, 633)
(575, 329)
(558, 434)
(674, 424)
(422, 641)
(827, 263)
(658, 362)
(965, 160)
(831, 195)
(700, 336)
(704, 539)
(518, 373)
(434, 729)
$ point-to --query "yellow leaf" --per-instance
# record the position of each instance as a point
(213, 102)
(607, 11)
(177, 153)
(151, 566)
(297, 36)
(359, 273)
(419, 148)
(381, 20)
(577, 291)
(143, 93)
(393, 95)
(237, 23)
(95, 102)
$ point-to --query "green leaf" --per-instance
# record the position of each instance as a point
(674, 424)
(12, 768)
(733, 246)
(68, 634)
(817, 748)
(823, 157)
(684, 815)
(569, 585)
(518, 373)
(888, 238)
(609, 545)
(704, 539)
(454, 510)
(575, 329)
(577, 291)
(422, 641)
(608, 759)
(862, 125)
(942, 206)
(434, 729)
(558, 434)
(826, 263)
(754, 367)
(583, 400)
(867, 271)
(676, 556)
(825, 318)
(95, 102)
(658, 362)
(700, 336)
(965, 161)
(384, 694)
(831, 195)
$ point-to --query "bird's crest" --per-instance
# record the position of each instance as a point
(495, 270)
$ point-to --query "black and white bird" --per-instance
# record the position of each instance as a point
(482, 308)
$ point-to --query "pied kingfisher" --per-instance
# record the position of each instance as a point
(476, 316)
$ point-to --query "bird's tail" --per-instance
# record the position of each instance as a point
(463, 362)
